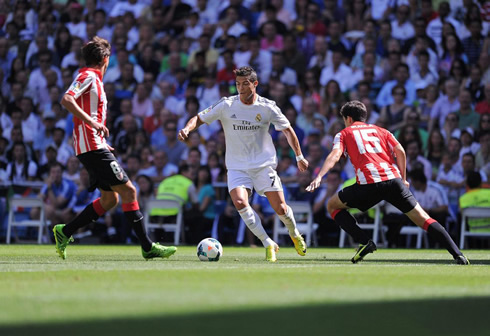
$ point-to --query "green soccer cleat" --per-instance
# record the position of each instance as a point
(363, 250)
(159, 251)
(462, 260)
(62, 241)
(299, 244)
(270, 253)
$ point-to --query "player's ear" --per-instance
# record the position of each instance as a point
(256, 83)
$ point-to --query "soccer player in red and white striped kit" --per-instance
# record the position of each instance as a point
(86, 100)
(372, 151)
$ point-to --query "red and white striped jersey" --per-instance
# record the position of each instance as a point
(370, 149)
(88, 90)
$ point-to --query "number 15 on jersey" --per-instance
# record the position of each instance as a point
(367, 141)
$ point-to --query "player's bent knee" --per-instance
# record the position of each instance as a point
(240, 204)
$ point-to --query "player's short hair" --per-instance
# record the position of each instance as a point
(473, 180)
(354, 109)
(95, 50)
(246, 71)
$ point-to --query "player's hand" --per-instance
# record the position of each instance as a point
(100, 129)
(183, 135)
(314, 184)
(406, 183)
(303, 165)
(110, 148)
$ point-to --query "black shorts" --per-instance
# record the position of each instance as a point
(365, 196)
(103, 169)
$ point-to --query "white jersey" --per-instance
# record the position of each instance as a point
(248, 141)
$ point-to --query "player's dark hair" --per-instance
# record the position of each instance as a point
(246, 71)
(95, 50)
(354, 109)
(473, 180)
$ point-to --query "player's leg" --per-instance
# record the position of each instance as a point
(338, 211)
(63, 233)
(285, 214)
(133, 215)
(401, 197)
(239, 197)
(355, 196)
(92, 212)
(420, 217)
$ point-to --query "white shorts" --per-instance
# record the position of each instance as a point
(261, 179)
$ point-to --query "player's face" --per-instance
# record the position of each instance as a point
(245, 87)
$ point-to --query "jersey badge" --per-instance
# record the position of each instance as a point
(258, 117)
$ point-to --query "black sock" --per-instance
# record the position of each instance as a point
(349, 224)
(440, 234)
(135, 219)
(85, 217)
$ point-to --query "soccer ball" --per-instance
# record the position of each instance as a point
(209, 249)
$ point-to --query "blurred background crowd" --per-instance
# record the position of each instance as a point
(421, 67)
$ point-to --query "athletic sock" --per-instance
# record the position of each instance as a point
(253, 222)
(90, 214)
(290, 222)
(135, 218)
(349, 224)
(440, 234)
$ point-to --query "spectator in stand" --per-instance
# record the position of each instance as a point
(475, 196)
(338, 71)
(20, 169)
(59, 195)
(415, 159)
(482, 157)
(206, 198)
(271, 40)
(452, 50)
(401, 28)
(402, 77)
(467, 116)
(396, 113)
(435, 149)
(473, 44)
(429, 197)
(146, 190)
(211, 53)
(72, 171)
(332, 101)
(475, 84)
(451, 129)
(160, 169)
(322, 56)
(434, 27)
(445, 104)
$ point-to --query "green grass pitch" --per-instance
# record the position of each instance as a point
(112, 290)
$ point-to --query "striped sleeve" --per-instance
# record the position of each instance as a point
(338, 142)
(82, 82)
(391, 140)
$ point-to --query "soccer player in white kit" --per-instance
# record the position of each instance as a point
(251, 156)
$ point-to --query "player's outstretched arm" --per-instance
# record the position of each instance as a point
(330, 161)
(191, 125)
(69, 102)
(294, 143)
(401, 162)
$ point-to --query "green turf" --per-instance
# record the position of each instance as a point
(112, 290)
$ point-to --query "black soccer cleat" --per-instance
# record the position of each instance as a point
(462, 260)
(363, 250)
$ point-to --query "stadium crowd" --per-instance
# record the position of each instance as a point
(421, 67)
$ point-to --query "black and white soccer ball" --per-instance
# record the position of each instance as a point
(209, 249)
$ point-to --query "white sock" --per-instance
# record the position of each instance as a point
(253, 222)
(290, 222)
